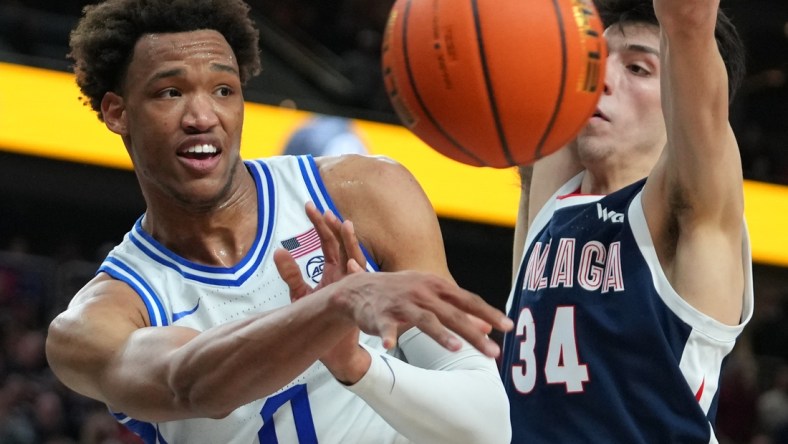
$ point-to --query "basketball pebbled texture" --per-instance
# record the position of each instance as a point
(494, 82)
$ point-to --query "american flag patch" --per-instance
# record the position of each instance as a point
(302, 244)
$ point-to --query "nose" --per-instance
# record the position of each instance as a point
(611, 75)
(200, 114)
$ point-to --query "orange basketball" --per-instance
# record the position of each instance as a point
(494, 82)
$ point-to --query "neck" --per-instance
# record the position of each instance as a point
(217, 236)
(613, 173)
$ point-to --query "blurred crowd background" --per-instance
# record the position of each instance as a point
(323, 56)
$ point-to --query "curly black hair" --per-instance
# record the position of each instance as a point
(729, 43)
(102, 44)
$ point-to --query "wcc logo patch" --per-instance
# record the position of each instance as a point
(302, 245)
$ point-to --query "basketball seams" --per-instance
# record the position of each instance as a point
(562, 89)
(460, 73)
(414, 88)
(491, 98)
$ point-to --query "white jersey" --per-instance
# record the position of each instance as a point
(314, 406)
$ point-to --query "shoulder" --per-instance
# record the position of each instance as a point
(104, 294)
(371, 181)
(389, 209)
(375, 170)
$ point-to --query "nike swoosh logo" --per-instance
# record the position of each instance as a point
(183, 314)
(393, 375)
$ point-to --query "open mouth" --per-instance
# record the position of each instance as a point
(201, 158)
(199, 152)
(599, 114)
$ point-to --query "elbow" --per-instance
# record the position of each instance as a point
(689, 17)
(496, 426)
(194, 392)
(491, 423)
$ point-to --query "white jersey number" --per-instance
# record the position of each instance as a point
(562, 364)
(302, 416)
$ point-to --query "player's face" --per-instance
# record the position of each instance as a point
(629, 121)
(182, 117)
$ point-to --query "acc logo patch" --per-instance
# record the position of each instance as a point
(314, 268)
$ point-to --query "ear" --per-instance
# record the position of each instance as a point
(113, 109)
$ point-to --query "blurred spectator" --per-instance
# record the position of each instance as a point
(773, 406)
(35, 408)
(769, 329)
(325, 136)
(736, 412)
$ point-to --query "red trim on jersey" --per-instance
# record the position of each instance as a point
(576, 193)
(699, 394)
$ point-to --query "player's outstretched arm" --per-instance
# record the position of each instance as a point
(102, 347)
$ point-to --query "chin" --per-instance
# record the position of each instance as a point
(591, 149)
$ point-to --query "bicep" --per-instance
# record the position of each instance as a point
(392, 215)
(100, 349)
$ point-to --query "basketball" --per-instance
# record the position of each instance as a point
(494, 82)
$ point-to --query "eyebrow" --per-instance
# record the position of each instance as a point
(224, 68)
(641, 48)
(175, 72)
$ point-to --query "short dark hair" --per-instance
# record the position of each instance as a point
(103, 42)
(729, 43)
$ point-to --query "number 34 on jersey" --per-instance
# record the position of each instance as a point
(561, 364)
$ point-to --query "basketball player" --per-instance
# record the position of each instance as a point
(188, 333)
(636, 275)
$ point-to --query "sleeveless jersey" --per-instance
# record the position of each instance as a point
(604, 350)
(314, 406)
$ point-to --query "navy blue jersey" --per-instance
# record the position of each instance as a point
(604, 350)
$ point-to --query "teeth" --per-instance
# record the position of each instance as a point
(202, 149)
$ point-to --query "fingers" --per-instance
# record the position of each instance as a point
(480, 324)
(351, 245)
(354, 267)
(429, 323)
(338, 238)
(444, 321)
(458, 311)
(472, 318)
(475, 305)
(289, 271)
(329, 240)
(388, 333)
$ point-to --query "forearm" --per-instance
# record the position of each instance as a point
(236, 363)
(439, 396)
(521, 227)
(695, 102)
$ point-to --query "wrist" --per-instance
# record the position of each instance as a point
(353, 368)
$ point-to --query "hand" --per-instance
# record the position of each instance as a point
(381, 302)
(339, 244)
(347, 360)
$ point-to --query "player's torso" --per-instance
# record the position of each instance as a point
(598, 353)
(178, 292)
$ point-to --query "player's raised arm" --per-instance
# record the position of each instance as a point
(694, 199)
